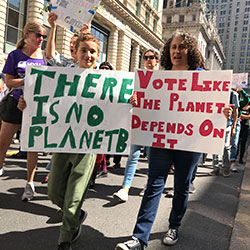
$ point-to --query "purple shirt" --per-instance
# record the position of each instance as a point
(15, 65)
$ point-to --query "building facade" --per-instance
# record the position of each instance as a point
(192, 16)
(233, 19)
(124, 28)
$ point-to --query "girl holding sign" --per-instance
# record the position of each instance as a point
(28, 52)
(180, 53)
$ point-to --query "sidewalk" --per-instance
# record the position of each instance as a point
(209, 223)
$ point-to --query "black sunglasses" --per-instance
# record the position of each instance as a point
(38, 35)
(149, 57)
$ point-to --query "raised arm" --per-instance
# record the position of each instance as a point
(50, 46)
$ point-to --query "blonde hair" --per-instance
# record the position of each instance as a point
(87, 37)
(29, 27)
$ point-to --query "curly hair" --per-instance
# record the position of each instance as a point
(194, 56)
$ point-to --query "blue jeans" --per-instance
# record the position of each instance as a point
(234, 141)
(160, 161)
(131, 165)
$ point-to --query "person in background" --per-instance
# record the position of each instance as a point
(28, 52)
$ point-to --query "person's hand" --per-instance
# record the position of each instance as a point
(52, 17)
(133, 100)
(233, 131)
(21, 104)
(85, 29)
(227, 111)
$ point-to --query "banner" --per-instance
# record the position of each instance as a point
(181, 109)
(73, 110)
(240, 80)
(72, 14)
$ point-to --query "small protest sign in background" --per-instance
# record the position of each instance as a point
(181, 109)
(76, 110)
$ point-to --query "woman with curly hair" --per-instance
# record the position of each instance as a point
(179, 53)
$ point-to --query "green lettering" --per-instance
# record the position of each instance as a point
(62, 82)
(97, 139)
(39, 119)
(46, 145)
(40, 73)
(53, 112)
(95, 116)
(78, 112)
(124, 90)
(89, 83)
(108, 83)
(121, 142)
(110, 134)
(34, 131)
(69, 134)
(87, 137)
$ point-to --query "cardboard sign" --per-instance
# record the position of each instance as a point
(76, 111)
(181, 109)
(72, 14)
(240, 80)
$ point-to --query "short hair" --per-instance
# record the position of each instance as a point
(29, 27)
(194, 56)
(156, 55)
(87, 37)
(106, 64)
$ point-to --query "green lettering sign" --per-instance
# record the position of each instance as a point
(121, 142)
(95, 116)
(34, 131)
(124, 90)
(68, 135)
(109, 83)
(78, 112)
(89, 83)
(39, 118)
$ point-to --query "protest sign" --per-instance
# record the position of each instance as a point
(74, 110)
(181, 109)
(240, 80)
(72, 14)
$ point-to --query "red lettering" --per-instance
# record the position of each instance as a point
(172, 142)
(218, 133)
(220, 106)
(195, 86)
(206, 128)
(170, 83)
(158, 142)
(144, 79)
(144, 125)
(189, 130)
(157, 105)
(139, 96)
(225, 86)
(180, 128)
(147, 104)
(216, 85)
(209, 107)
(152, 126)
(207, 85)
(170, 127)
(200, 107)
(182, 83)
(180, 108)
(190, 107)
(173, 98)
(136, 122)
(157, 83)
(161, 126)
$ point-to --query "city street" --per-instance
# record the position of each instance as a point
(34, 225)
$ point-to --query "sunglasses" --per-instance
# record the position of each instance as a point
(38, 35)
(149, 57)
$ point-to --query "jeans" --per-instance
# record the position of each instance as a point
(227, 148)
(234, 141)
(160, 161)
(131, 165)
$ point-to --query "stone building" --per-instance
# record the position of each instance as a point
(125, 28)
(193, 17)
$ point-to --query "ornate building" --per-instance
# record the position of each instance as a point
(193, 17)
(125, 29)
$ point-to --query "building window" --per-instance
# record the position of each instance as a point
(181, 18)
(137, 8)
(147, 17)
(15, 20)
(245, 22)
(102, 35)
(169, 19)
(194, 18)
(155, 25)
(155, 4)
(178, 3)
(246, 16)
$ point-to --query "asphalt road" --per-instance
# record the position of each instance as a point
(34, 225)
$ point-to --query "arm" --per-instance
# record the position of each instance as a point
(50, 46)
(245, 117)
(21, 103)
(13, 82)
(235, 117)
